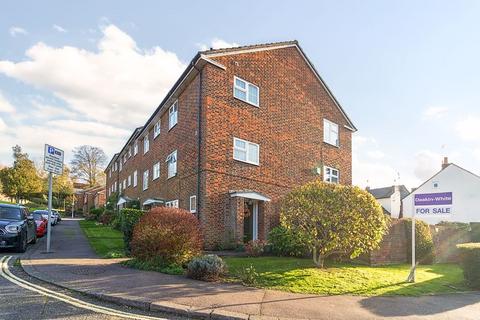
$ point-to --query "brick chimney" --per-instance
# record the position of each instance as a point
(445, 163)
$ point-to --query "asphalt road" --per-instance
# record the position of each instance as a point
(18, 303)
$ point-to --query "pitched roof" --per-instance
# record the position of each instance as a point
(386, 192)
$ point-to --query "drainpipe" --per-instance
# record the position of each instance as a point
(199, 128)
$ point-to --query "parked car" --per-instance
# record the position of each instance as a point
(57, 215)
(17, 227)
(41, 224)
(44, 213)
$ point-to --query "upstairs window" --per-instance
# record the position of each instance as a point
(129, 181)
(172, 164)
(135, 178)
(330, 133)
(129, 151)
(110, 173)
(125, 158)
(156, 171)
(120, 166)
(246, 151)
(145, 180)
(135, 148)
(146, 144)
(246, 91)
(331, 175)
(173, 115)
(124, 184)
(156, 129)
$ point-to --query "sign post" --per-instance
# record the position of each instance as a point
(53, 164)
(429, 205)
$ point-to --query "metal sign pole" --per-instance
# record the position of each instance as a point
(413, 245)
(49, 229)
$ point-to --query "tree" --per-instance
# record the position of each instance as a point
(62, 186)
(88, 164)
(22, 180)
(334, 219)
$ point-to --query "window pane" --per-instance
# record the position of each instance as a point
(240, 155)
(240, 94)
(239, 83)
(253, 153)
(240, 144)
(252, 94)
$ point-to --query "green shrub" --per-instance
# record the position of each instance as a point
(249, 276)
(470, 257)
(95, 214)
(207, 268)
(334, 219)
(423, 242)
(106, 217)
(287, 243)
(255, 248)
(128, 219)
(475, 231)
(169, 234)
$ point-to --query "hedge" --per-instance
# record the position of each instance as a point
(475, 233)
(470, 261)
(128, 220)
(423, 242)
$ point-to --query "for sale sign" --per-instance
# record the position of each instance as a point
(433, 204)
(53, 160)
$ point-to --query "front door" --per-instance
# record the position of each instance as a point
(250, 220)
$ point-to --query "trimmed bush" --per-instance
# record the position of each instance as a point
(106, 217)
(255, 248)
(172, 235)
(95, 214)
(287, 243)
(207, 268)
(470, 257)
(128, 218)
(423, 242)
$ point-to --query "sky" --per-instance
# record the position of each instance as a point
(89, 72)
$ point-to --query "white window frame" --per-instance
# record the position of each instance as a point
(129, 180)
(330, 128)
(328, 177)
(125, 158)
(146, 144)
(170, 156)
(173, 115)
(156, 171)
(115, 186)
(246, 150)
(156, 129)
(135, 178)
(172, 204)
(145, 180)
(109, 173)
(193, 200)
(124, 184)
(135, 148)
(129, 151)
(246, 91)
(120, 165)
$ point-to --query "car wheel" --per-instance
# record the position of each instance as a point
(22, 246)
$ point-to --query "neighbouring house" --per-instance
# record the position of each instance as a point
(390, 198)
(465, 188)
(238, 130)
(88, 198)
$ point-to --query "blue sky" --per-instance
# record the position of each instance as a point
(406, 72)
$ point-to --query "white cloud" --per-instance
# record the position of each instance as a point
(435, 112)
(17, 30)
(3, 126)
(376, 154)
(476, 153)
(120, 84)
(5, 105)
(427, 163)
(60, 29)
(469, 128)
(217, 43)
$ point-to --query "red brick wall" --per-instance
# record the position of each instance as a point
(288, 126)
(393, 248)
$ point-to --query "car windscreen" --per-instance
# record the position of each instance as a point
(10, 213)
(37, 216)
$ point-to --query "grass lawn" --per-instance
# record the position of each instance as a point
(106, 241)
(301, 276)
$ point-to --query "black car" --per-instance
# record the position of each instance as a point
(17, 227)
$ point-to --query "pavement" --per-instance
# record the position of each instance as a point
(75, 266)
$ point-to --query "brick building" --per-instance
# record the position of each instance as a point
(89, 197)
(237, 131)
